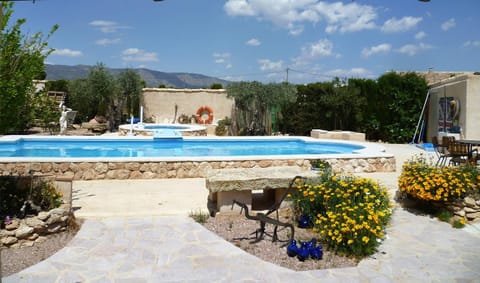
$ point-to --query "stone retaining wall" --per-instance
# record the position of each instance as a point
(468, 209)
(180, 169)
(27, 231)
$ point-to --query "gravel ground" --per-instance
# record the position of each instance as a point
(237, 230)
(14, 260)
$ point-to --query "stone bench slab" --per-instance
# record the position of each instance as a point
(240, 179)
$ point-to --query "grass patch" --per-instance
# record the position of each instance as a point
(199, 216)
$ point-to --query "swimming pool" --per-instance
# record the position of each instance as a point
(150, 129)
(143, 157)
(168, 147)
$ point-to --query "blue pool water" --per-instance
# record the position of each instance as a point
(112, 148)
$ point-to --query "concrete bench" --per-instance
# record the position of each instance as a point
(258, 188)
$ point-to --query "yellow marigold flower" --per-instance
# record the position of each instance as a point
(350, 242)
(365, 239)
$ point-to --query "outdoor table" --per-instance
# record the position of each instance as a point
(472, 142)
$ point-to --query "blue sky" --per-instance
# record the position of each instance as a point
(261, 39)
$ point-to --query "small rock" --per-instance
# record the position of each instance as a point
(24, 231)
(54, 228)
(37, 224)
(58, 211)
(473, 215)
(460, 213)
(14, 224)
(33, 237)
(9, 241)
(469, 201)
(27, 244)
(43, 215)
(469, 210)
(6, 233)
(54, 218)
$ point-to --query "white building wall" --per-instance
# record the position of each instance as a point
(465, 89)
(159, 103)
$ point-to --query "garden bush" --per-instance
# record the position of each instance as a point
(424, 181)
(15, 190)
(348, 212)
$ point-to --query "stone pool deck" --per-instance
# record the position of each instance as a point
(133, 244)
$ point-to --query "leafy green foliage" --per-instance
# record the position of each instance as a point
(223, 126)
(256, 105)
(130, 85)
(216, 86)
(103, 94)
(386, 109)
(46, 112)
(15, 190)
(21, 61)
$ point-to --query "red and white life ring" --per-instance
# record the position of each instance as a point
(202, 112)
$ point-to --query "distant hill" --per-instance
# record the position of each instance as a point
(151, 77)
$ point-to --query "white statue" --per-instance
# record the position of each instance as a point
(63, 118)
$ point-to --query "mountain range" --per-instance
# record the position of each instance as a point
(152, 78)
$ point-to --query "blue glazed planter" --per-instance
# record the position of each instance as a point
(316, 252)
(304, 222)
(292, 249)
(303, 252)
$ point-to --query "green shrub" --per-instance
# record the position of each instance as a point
(15, 190)
(199, 216)
(349, 213)
(222, 127)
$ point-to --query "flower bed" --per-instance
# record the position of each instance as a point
(455, 189)
(349, 213)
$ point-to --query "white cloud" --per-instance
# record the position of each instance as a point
(400, 25)
(107, 41)
(475, 43)
(239, 8)
(268, 65)
(353, 72)
(223, 59)
(420, 35)
(412, 49)
(349, 17)
(313, 51)
(253, 42)
(67, 52)
(448, 24)
(321, 48)
(106, 26)
(138, 55)
(381, 48)
(292, 15)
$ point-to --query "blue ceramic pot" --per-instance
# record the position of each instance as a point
(304, 222)
(292, 249)
(303, 253)
(316, 252)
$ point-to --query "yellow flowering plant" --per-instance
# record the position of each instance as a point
(349, 213)
(424, 181)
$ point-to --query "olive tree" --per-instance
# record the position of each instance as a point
(21, 61)
(257, 106)
(130, 90)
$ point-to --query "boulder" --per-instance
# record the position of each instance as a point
(24, 231)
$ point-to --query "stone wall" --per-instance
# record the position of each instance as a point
(162, 105)
(31, 229)
(468, 209)
(180, 169)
